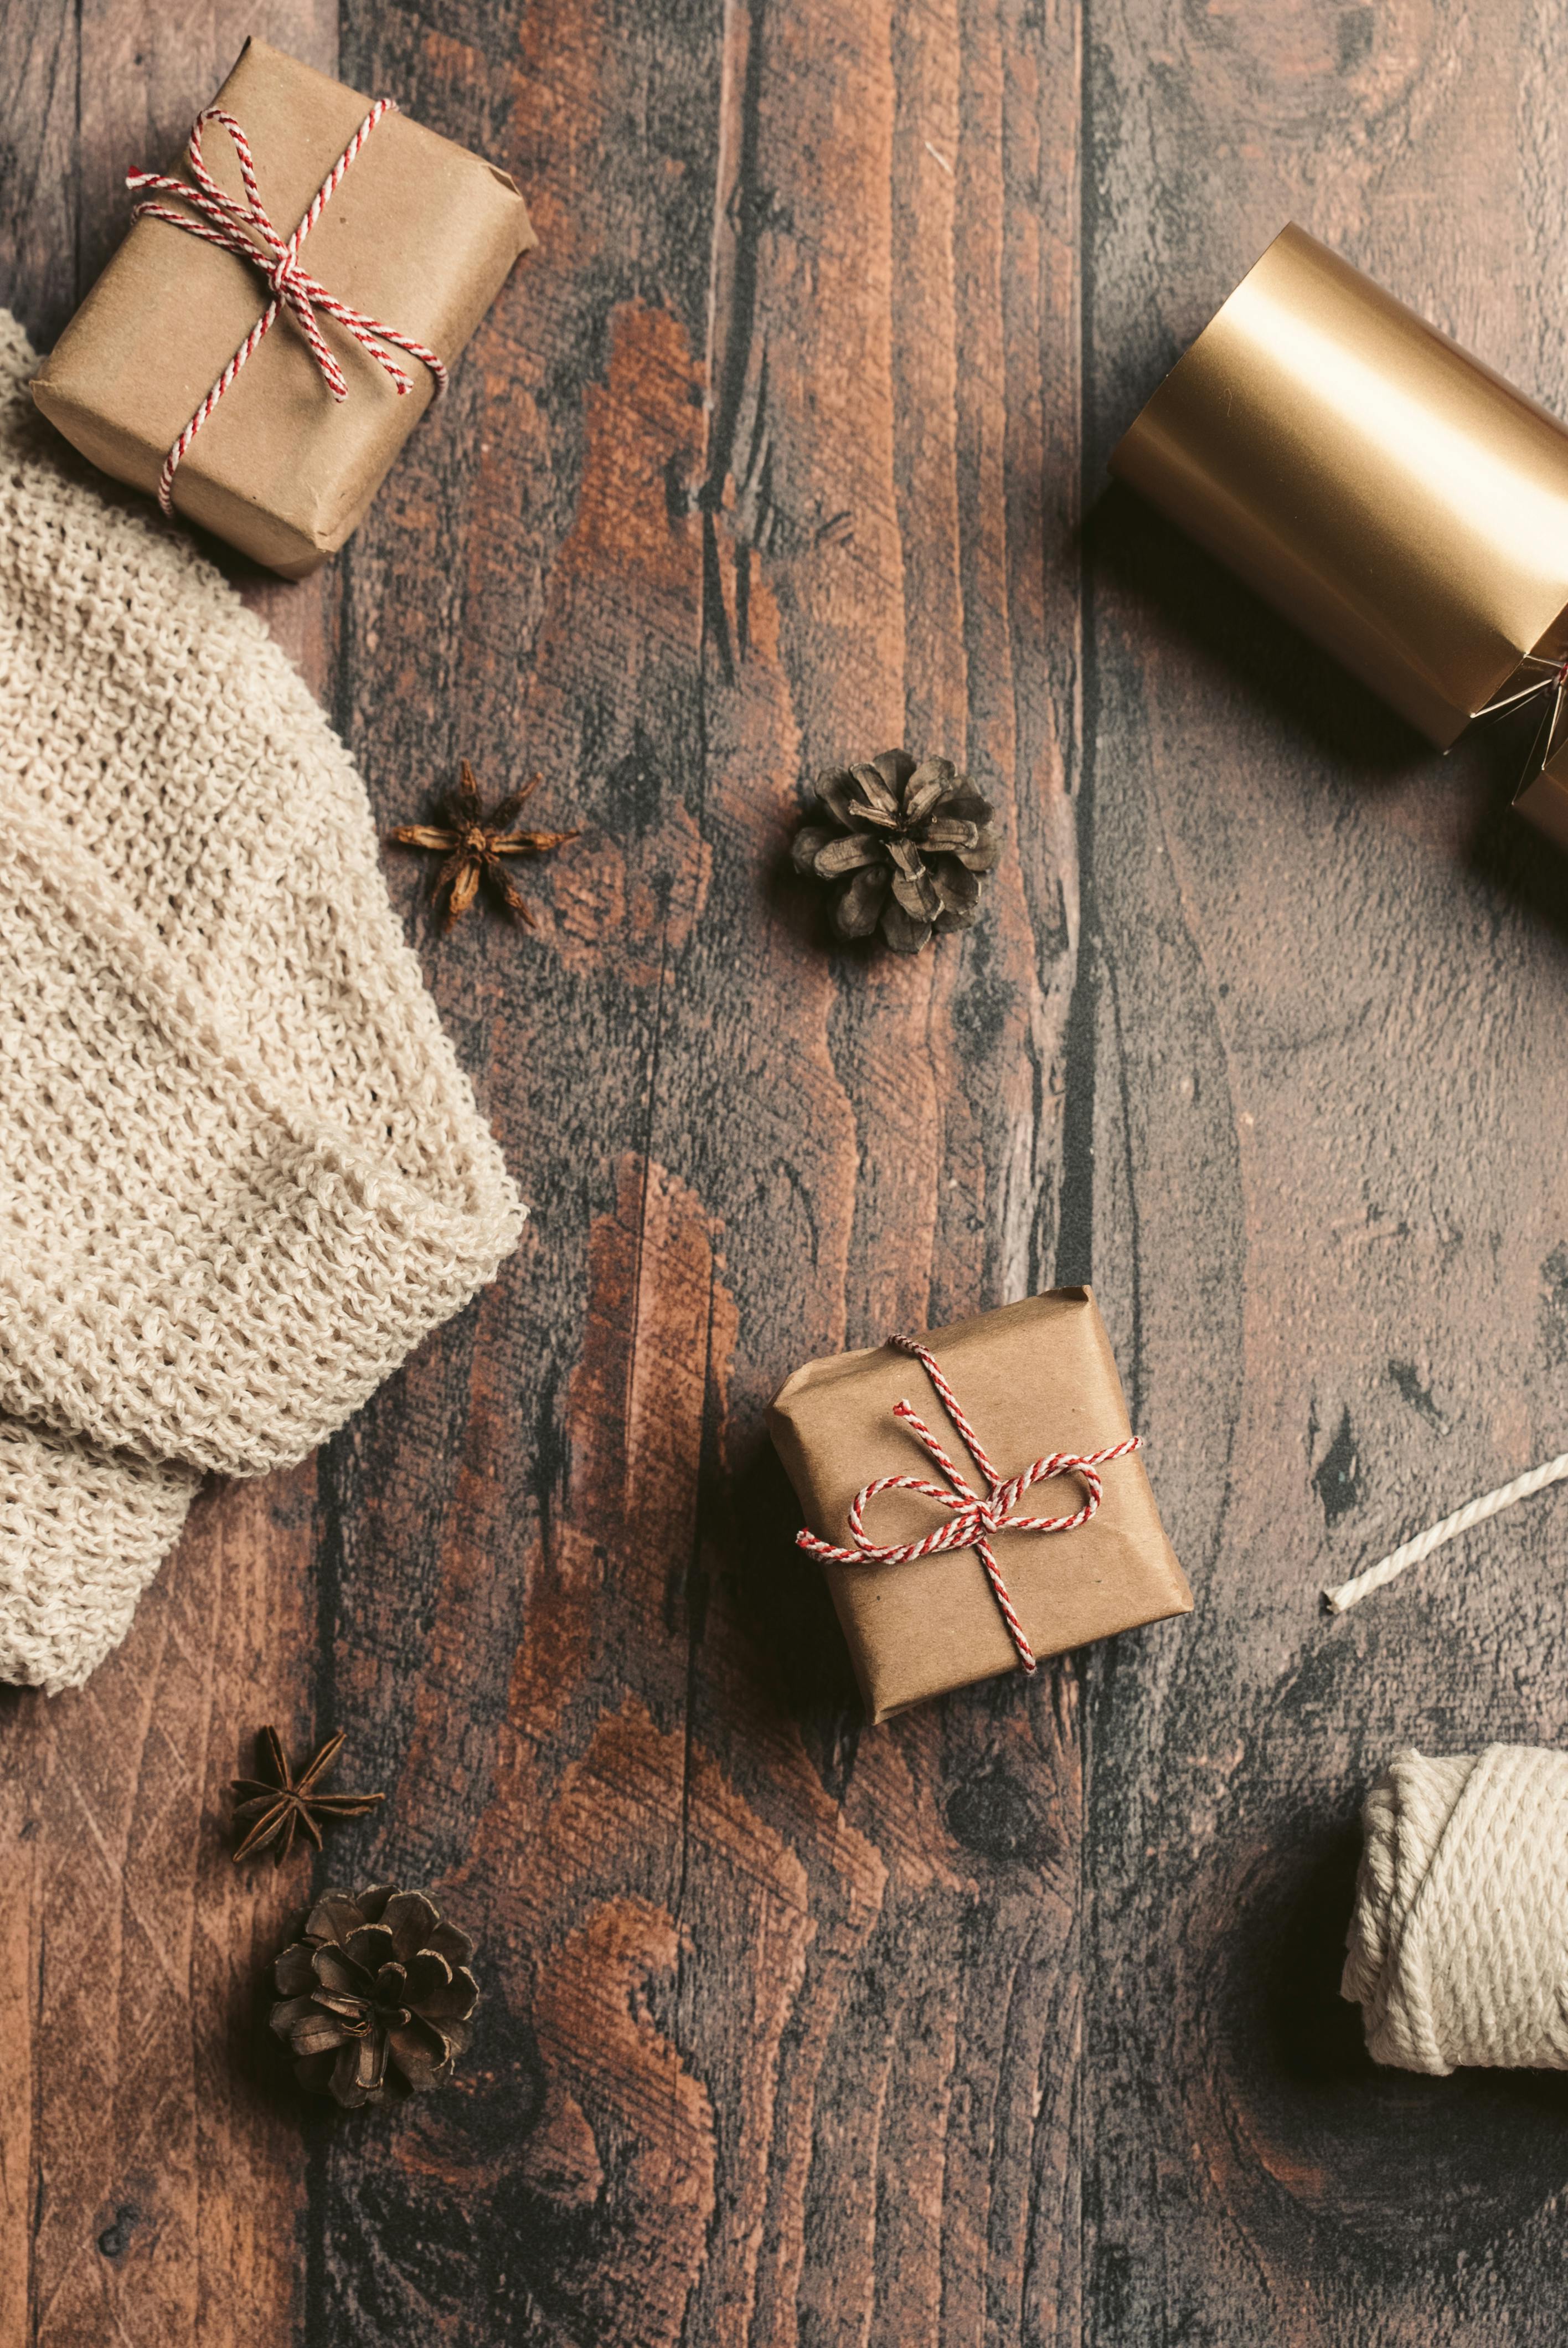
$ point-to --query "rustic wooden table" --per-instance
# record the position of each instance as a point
(1015, 2021)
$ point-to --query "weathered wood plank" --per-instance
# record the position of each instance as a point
(872, 549)
(1327, 1207)
(526, 585)
(151, 2177)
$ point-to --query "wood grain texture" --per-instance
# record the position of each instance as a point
(1328, 1224)
(151, 2180)
(1013, 2022)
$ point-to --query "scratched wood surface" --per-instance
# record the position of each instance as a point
(1013, 2021)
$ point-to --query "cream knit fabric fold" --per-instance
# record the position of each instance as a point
(241, 1171)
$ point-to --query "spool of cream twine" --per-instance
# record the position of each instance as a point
(1459, 1942)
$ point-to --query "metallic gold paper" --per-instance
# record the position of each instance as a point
(1394, 498)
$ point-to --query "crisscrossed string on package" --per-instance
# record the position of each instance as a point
(246, 232)
(975, 1515)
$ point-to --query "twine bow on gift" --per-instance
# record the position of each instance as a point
(1548, 685)
(246, 232)
(975, 1515)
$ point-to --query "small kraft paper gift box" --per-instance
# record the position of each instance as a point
(976, 1497)
(1398, 501)
(275, 325)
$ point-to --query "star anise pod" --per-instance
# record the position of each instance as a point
(909, 842)
(473, 844)
(377, 1996)
(285, 1803)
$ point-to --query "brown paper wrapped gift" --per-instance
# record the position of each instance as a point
(1034, 1378)
(1389, 494)
(419, 235)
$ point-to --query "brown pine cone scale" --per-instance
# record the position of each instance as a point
(909, 842)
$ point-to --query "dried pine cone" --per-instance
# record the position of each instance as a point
(376, 1997)
(909, 842)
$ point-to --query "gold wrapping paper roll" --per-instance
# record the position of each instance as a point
(1398, 501)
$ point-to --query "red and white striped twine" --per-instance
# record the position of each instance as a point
(975, 1516)
(246, 232)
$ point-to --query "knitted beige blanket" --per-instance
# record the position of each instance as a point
(241, 1171)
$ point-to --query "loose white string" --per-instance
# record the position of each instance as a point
(1474, 1512)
